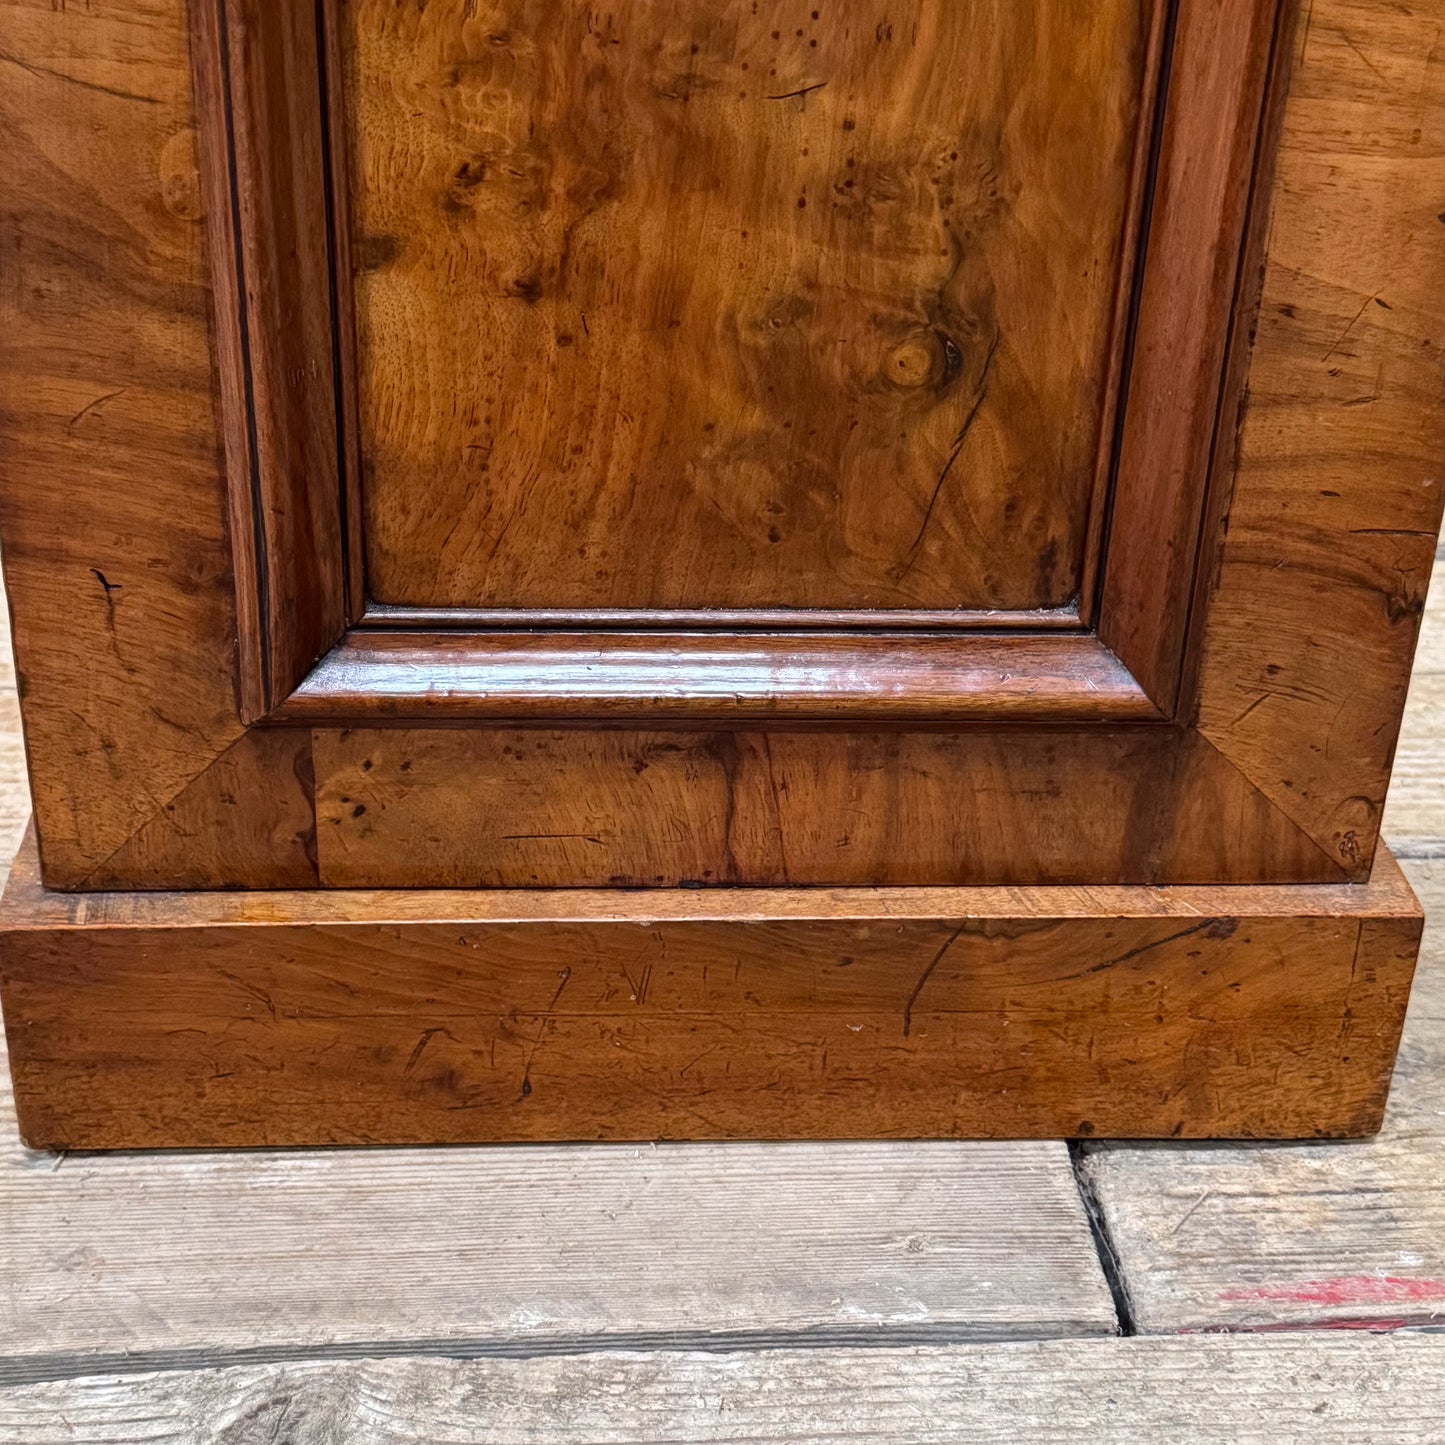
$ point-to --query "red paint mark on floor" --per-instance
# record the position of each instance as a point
(1352, 1289)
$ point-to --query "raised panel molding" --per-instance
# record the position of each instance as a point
(277, 130)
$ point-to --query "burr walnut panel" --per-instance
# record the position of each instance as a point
(731, 305)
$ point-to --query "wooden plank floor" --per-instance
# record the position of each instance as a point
(1279, 1391)
(1415, 814)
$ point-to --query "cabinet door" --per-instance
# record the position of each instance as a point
(712, 442)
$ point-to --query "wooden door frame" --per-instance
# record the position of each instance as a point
(148, 712)
(275, 172)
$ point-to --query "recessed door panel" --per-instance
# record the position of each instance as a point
(737, 305)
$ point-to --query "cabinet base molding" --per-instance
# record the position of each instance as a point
(143, 1020)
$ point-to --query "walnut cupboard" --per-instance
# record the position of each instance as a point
(591, 570)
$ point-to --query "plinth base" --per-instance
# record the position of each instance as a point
(200, 1019)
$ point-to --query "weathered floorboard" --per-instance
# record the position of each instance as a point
(1415, 813)
(179, 1258)
(1260, 1236)
(1124, 1392)
(1416, 817)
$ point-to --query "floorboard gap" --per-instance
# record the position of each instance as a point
(1103, 1241)
(37, 1369)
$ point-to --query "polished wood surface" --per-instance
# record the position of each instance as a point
(566, 807)
(722, 305)
(1210, 179)
(1333, 489)
(692, 678)
(113, 505)
(249, 815)
(258, 90)
(200, 1019)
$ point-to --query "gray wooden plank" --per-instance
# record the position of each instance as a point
(14, 790)
(1298, 1234)
(7, 652)
(1247, 1390)
(14, 785)
(175, 1258)
(1415, 812)
(1430, 652)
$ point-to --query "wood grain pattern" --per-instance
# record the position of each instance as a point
(1310, 1390)
(652, 677)
(252, 1020)
(735, 307)
(259, 102)
(112, 512)
(1311, 620)
(249, 816)
(528, 808)
(1304, 1239)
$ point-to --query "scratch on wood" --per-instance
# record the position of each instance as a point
(250, 988)
(978, 399)
(1340, 339)
(1144, 948)
(1391, 532)
(1189, 1213)
(927, 974)
(427, 1035)
(564, 976)
(1257, 703)
(798, 94)
(536, 837)
(1365, 59)
(89, 407)
(44, 72)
